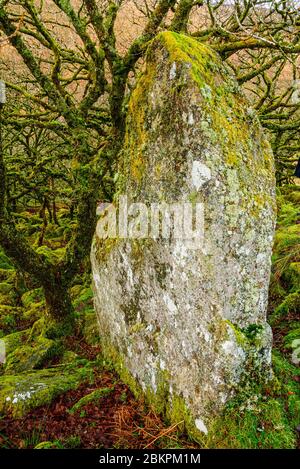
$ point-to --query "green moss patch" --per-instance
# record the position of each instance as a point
(29, 357)
(5, 263)
(83, 302)
(94, 396)
(9, 316)
(22, 392)
(90, 329)
(35, 296)
(257, 424)
(290, 305)
(15, 340)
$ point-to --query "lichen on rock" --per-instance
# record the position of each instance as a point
(22, 392)
(184, 326)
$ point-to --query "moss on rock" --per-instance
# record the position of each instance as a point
(68, 357)
(5, 263)
(31, 356)
(15, 340)
(83, 302)
(7, 276)
(53, 255)
(290, 304)
(9, 316)
(94, 397)
(22, 392)
(31, 297)
(90, 329)
(292, 276)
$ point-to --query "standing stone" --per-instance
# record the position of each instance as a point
(187, 324)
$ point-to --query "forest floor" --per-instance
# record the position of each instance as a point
(63, 394)
(116, 420)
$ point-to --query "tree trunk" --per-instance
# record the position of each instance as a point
(59, 309)
(56, 289)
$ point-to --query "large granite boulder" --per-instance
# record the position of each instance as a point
(184, 318)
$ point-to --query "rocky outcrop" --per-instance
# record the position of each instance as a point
(183, 315)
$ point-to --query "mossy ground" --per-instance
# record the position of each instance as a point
(75, 376)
